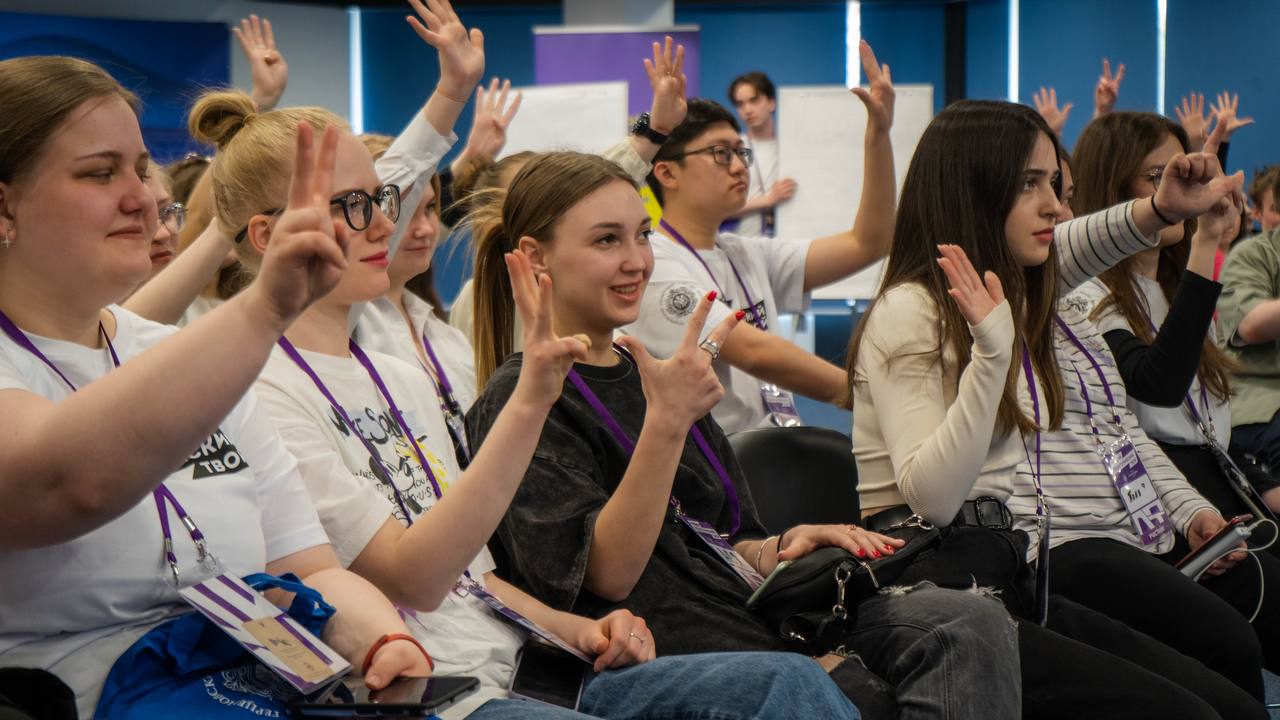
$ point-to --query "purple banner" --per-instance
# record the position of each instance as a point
(601, 55)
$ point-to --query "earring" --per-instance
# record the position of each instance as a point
(8, 238)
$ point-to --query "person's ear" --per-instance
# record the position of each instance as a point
(667, 173)
(533, 250)
(773, 105)
(258, 233)
(8, 225)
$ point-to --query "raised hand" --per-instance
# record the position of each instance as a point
(1047, 105)
(306, 254)
(781, 191)
(1192, 119)
(492, 118)
(976, 297)
(667, 79)
(1226, 111)
(617, 640)
(684, 387)
(1192, 184)
(804, 539)
(267, 68)
(461, 52)
(878, 96)
(547, 357)
(1107, 89)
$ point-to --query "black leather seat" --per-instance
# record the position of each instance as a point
(799, 475)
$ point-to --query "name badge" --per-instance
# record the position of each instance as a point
(468, 586)
(1138, 494)
(735, 561)
(781, 406)
(267, 631)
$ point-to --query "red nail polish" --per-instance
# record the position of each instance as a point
(888, 548)
(711, 295)
(861, 553)
(875, 553)
(741, 314)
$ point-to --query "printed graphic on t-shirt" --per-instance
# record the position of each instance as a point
(1079, 302)
(215, 456)
(399, 466)
(757, 316)
(678, 303)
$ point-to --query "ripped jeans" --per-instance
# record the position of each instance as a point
(951, 654)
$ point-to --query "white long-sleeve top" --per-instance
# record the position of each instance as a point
(928, 441)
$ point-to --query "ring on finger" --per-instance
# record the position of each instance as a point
(711, 347)
(637, 637)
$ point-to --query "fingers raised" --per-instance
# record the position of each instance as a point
(693, 331)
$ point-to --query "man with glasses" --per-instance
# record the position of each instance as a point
(700, 177)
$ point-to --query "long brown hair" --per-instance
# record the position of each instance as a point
(961, 185)
(1108, 158)
(546, 188)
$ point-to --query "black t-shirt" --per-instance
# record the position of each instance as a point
(691, 600)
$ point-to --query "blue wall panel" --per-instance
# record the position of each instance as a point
(1243, 61)
(167, 64)
(794, 43)
(910, 37)
(987, 49)
(1062, 45)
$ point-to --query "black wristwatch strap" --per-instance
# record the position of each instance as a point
(641, 128)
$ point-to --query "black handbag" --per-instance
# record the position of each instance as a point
(813, 601)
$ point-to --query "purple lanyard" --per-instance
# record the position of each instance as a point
(161, 494)
(1035, 408)
(610, 422)
(1106, 387)
(302, 364)
(442, 380)
(751, 304)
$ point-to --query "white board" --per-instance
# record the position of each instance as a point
(820, 134)
(588, 117)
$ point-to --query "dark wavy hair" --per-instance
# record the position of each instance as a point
(963, 181)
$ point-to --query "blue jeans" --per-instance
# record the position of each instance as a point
(713, 686)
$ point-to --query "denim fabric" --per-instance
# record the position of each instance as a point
(717, 686)
(951, 653)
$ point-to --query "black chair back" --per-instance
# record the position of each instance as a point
(799, 475)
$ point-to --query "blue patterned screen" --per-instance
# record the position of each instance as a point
(166, 63)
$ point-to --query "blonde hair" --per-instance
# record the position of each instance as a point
(376, 143)
(37, 94)
(254, 164)
(546, 188)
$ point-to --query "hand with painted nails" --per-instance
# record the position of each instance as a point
(864, 544)
(684, 387)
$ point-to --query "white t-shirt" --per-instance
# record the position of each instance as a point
(73, 608)
(463, 635)
(1171, 425)
(764, 173)
(381, 327)
(198, 308)
(773, 271)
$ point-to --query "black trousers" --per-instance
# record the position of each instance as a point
(1202, 471)
(1202, 620)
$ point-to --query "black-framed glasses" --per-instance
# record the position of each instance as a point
(723, 154)
(1154, 177)
(174, 217)
(357, 207)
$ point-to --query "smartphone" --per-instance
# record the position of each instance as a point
(1231, 535)
(404, 697)
(548, 674)
(764, 586)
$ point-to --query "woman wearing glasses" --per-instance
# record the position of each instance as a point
(1155, 310)
(173, 216)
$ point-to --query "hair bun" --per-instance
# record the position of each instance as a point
(217, 116)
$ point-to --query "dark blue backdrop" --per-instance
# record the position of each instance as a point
(166, 63)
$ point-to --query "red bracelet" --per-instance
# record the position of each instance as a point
(377, 645)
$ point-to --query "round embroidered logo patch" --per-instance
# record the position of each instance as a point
(678, 302)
